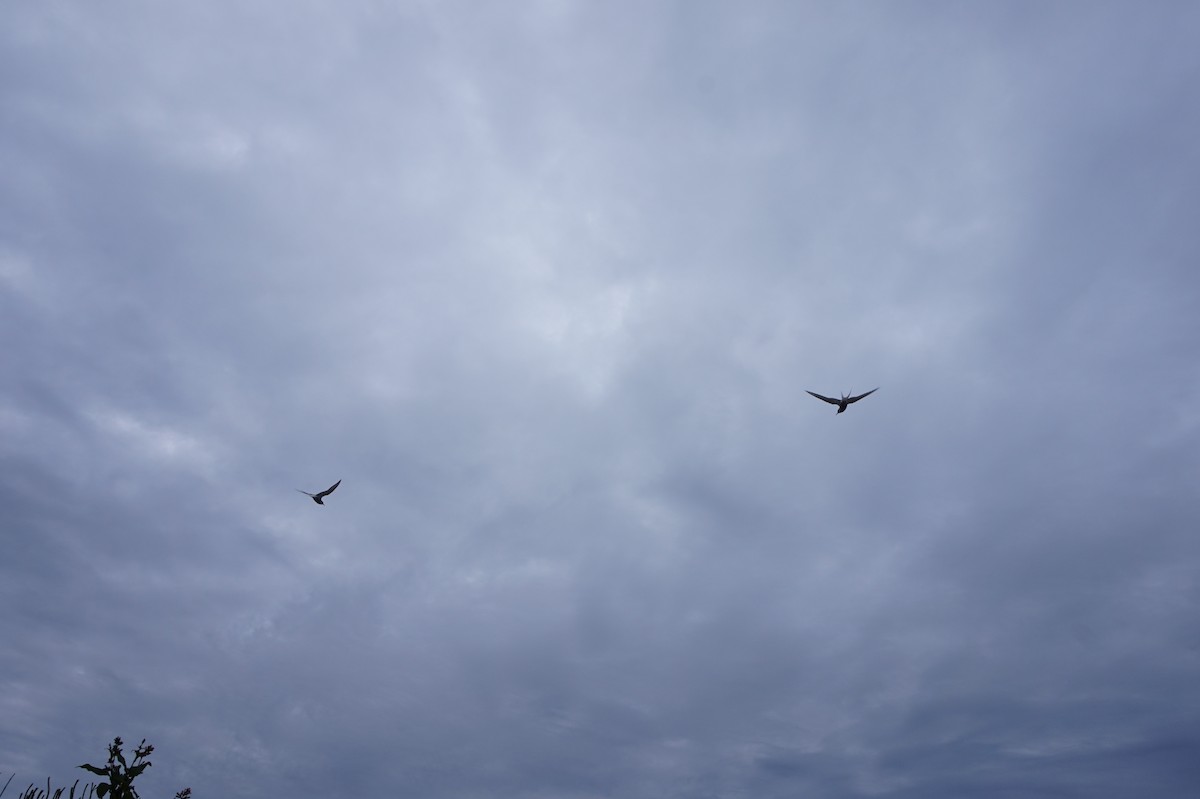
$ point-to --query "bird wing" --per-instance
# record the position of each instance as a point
(305, 493)
(329, 490)
(860, 396)
(827, 399)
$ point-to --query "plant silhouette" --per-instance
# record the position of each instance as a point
(119, 775)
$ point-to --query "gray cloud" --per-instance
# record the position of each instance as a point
(545, 288)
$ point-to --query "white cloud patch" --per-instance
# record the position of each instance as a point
(159, 444)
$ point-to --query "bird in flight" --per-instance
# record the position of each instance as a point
(318, 498)
(844, 401)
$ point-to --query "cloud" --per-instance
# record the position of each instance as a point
(545, 288)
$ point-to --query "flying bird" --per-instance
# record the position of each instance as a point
(844, 401)
(318, 498)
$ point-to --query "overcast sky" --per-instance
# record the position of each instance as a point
(544, 284)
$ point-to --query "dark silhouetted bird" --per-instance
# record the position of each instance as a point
(318, 498)
(844, 401)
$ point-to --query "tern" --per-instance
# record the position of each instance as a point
(844, 401)
(317, 498)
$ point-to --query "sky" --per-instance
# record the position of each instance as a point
(544, 284)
